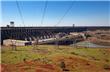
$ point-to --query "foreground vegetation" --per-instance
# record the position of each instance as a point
(50, 58)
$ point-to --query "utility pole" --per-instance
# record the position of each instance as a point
(35, 44)
(12, 35)
(56, 41)
(13, 43)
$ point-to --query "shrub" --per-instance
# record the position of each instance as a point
(74, 53)
(107, 67)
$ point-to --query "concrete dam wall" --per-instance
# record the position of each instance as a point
(22, 33)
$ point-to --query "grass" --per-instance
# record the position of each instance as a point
(10, 57)
(28, 53)
(47, 53)
(94, 53)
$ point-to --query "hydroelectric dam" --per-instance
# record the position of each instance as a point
(22, 33)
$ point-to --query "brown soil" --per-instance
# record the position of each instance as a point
(99, 41)
(79, 64)
(72, 64)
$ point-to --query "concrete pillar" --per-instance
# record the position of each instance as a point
(47, 36)
(41, 37)
(34, 38)
(30, 39)
(44, 37)
(26, 39)
(50, 36)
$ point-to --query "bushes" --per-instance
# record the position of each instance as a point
(74, 53)
(107, 67)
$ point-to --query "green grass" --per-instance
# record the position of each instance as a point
(98, 54)
(9, 56)
(44, 51)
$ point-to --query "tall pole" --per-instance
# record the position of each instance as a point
(12, 35)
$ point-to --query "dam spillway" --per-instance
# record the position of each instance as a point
(29, 32)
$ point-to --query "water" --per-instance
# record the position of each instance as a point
(89, 44)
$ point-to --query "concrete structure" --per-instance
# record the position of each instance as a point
(9, 42)
(12, 24)
(23, 33)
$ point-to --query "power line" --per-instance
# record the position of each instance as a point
(19, 10)
(44, 13)
(64, 14)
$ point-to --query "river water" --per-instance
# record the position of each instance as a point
(89, 44)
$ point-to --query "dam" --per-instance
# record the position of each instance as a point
(22, 33)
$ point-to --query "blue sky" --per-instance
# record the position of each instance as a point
(82, 13)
